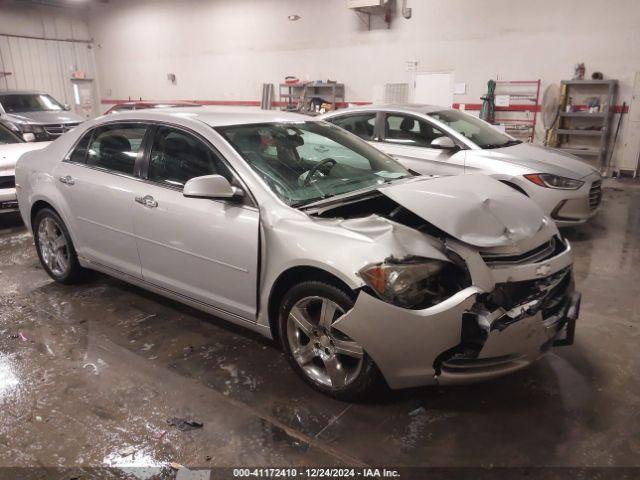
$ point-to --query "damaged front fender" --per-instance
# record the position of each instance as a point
(404, 343)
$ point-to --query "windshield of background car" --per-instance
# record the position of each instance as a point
(309, 161)
(476, 130)
(30, 102)
(7, 136)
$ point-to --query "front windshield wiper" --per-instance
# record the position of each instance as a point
(508, 143)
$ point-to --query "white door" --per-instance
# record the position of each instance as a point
(83, 101)
(408, 139)
(434, 88)
(204, 249)
(98, 185)
(631, 148)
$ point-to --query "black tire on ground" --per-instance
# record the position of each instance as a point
(74, 273)
(369, 377)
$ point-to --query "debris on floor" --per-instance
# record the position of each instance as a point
(183, 424)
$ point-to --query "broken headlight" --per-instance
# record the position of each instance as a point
(416, 283)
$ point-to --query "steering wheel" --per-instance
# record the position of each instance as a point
(316, 168)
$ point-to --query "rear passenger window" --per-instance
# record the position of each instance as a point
(177, 157)
(79, 154)
(362, 125)
(408, 130)
(115, 147)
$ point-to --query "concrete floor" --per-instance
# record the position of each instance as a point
(89, 375)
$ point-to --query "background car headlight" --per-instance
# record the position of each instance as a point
(554, 181)
(417, 283)
(29, 128)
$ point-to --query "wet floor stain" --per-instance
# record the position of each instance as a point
(89, 375)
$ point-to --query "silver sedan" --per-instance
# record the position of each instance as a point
(436, 140)
(303, 232)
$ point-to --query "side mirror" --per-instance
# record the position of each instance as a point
(443, 143)
(67, 107)
(211, 186)
(29, 137)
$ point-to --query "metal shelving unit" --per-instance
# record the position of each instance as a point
(298, 95)
(579, 131)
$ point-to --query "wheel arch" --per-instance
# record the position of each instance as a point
(515, 186)
(288, 279)
(36, 207)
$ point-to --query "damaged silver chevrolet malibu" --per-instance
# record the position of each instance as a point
(303, 232)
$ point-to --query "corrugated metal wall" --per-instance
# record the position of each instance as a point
(44, 65)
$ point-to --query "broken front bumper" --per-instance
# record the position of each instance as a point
(463, 339)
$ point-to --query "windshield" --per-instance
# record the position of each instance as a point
(30, 102)
(478, 131)
(308, 161)
(7, 136)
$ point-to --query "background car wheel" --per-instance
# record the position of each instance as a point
(55, 248)
(323, 356)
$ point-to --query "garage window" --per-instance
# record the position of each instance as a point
(115, 147)
(177, 157)
(362, 125)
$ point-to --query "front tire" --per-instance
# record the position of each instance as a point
(324, 357)
(55, 248)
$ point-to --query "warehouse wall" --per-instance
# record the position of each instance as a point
(225, 49)
(41, 47)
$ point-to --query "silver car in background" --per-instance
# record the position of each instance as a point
(435, 140)
(303, 232)
(11, 148)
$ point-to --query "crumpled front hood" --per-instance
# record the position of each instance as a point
(475, 209)
(539, 160)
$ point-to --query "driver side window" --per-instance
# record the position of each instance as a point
(176, 157)
(409, 130)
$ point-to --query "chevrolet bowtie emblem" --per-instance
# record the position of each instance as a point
(543, 270)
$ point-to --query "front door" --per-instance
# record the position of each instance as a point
(98, 184)
(408, 139)
(204, 249)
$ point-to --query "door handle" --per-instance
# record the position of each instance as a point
(67, 180)
(147, 201)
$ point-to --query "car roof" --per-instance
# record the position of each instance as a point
(395, 107)
(20, 92)
(159, 102)
(213, 116)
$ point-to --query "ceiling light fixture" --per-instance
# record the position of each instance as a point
(293, 18)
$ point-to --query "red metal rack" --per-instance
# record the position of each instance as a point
(519, 118)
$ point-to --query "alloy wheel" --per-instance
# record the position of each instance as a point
(53, 246)
(325, 354)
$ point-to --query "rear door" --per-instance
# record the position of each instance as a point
(361, 124)
(98, 182)
(206, 250)
(408, 139)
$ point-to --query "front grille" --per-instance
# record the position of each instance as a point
(512, 294)
(595, 194)
(542, 252)
(8, 181)
(57, 129)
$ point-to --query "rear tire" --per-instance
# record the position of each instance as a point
(324, 357)
(55, 248)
